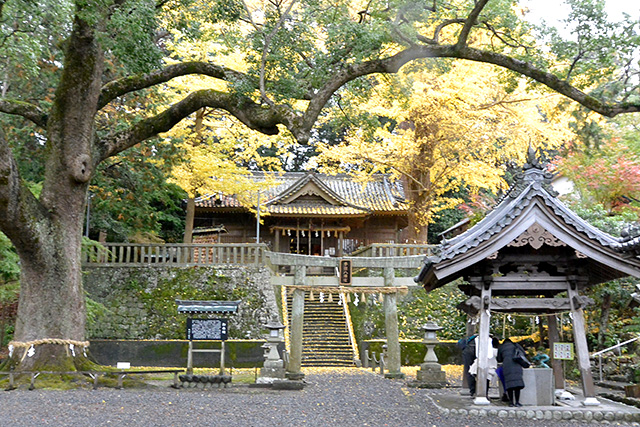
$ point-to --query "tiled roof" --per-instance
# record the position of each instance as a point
(217, 201)
(530, 199)
(533, 184)
(336, 195)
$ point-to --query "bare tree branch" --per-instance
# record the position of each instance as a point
(28, 111)
(265, 50)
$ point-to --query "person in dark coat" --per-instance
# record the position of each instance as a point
(468, 356)
(511, 370)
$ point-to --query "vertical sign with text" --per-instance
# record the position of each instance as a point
(345, 272)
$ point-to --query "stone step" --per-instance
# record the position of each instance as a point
(328, 358)
(328, 350)
(325, 338)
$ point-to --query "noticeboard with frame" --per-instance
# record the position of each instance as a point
(207, 329)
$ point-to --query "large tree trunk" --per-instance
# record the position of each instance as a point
(420, 204)
(416, 232)
(47, 233)
(51, 309)
(188, 226)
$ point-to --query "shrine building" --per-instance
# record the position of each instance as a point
(307, 213)
(532, 255)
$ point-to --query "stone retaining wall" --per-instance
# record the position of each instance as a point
(139, 302)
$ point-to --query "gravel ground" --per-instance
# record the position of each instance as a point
(347, 397)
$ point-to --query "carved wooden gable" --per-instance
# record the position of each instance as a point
(311, 193)
(536, 236)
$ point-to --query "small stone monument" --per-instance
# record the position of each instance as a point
(273, 368)
(430, 374)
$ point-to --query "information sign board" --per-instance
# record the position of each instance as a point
(563, 351)
(207, 329)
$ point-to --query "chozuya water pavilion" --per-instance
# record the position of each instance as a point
(533, 255)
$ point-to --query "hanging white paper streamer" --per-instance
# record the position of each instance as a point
(321, 296)
(10, 350)
(537, 320)
(73, 351)
(31, 351)
(356, 300)
(339, 299)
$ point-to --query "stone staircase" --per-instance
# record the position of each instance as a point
(325, 337)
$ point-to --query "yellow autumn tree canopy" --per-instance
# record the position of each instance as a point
(458, 128)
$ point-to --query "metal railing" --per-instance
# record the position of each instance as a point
(599, 354)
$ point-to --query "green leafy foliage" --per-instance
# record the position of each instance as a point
(132, 36)
(413, 311)
(9, 268)
(132, 200)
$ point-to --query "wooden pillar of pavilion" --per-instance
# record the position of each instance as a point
(483, 342)
(556, 365)
(580, 341)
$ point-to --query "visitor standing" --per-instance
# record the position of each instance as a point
(468, 357)
(512, 370)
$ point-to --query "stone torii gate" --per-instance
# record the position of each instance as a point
(389, 285)
(531, 254)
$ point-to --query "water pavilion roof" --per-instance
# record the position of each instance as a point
(530, 214)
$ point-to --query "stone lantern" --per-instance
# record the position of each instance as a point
(430, 373)
(273, 368)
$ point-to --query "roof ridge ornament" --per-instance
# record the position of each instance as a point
(535, 173)
(533, 160)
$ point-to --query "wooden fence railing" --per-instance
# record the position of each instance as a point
(181, 254)
(132, 254)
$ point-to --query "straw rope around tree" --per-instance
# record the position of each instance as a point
(28, 347)
(57, 341)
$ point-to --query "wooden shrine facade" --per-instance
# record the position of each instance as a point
(307, 213)
(533, 255)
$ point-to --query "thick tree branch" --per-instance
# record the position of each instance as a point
(116, 88)
(28, 111)
(266, 118)
(608, 109)
(393, 63)
(472, 19)
(258, 117)
(17, 203)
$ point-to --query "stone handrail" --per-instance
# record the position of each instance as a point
(413, 261)
(177, 254)
(393, 249)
